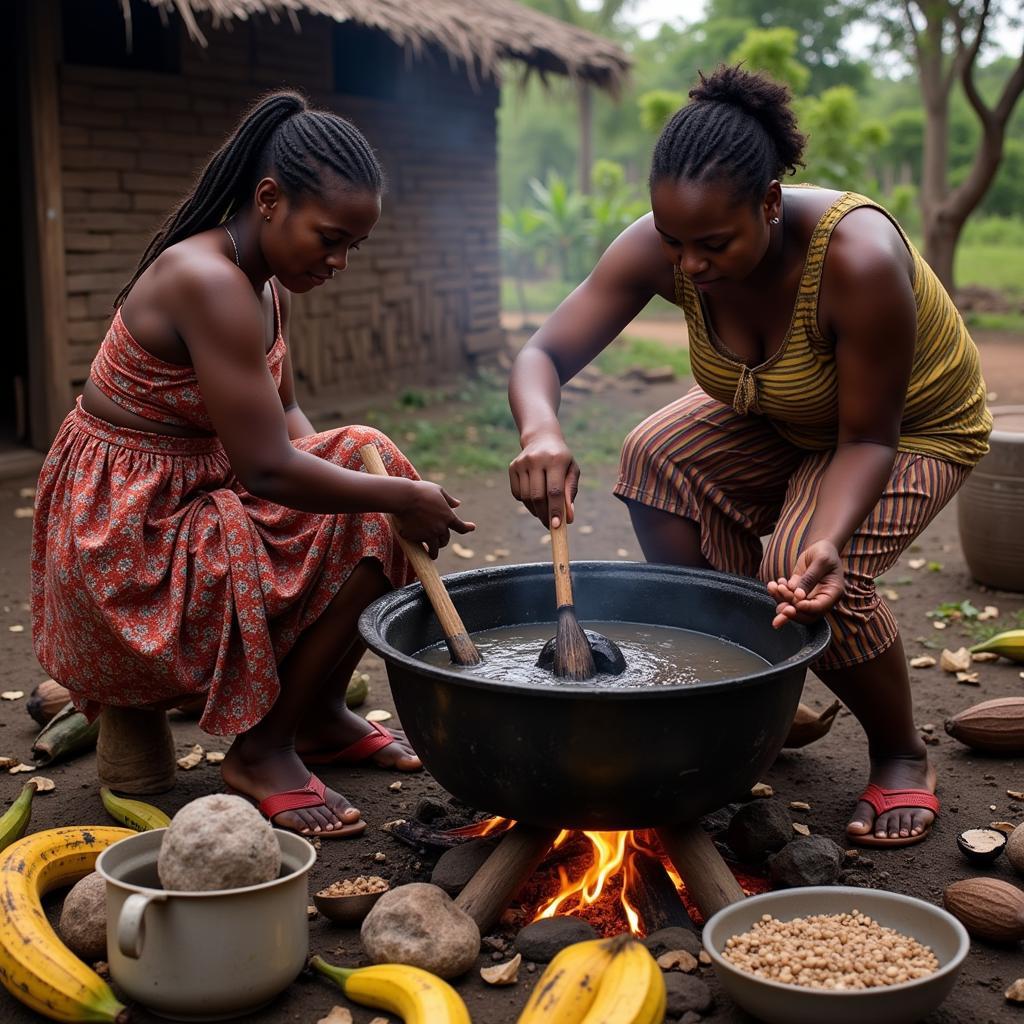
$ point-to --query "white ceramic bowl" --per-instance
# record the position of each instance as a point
(776, 1003)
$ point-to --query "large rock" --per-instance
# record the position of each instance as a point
(218, 842)
(83, 918)
(665, 940)
(686, 993)
(814, 860)
(418, 924)
(542, 940)
(759, 829)
(455, 867)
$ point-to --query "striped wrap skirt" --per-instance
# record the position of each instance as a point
(739, 480)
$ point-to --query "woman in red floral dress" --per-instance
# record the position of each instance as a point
(194, 535)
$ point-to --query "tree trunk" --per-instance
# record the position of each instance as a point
(940, 239)
(586, 114)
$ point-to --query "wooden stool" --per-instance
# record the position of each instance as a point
(135, 751)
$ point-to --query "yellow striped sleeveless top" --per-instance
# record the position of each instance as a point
(797, 389)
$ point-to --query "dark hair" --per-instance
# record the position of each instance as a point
(278, 133)
(738, 125)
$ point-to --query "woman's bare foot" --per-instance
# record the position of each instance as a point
(257, 772)
(329, 734)
(911, 771)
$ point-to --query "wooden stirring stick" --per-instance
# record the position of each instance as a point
(573, 657)
(460, 646)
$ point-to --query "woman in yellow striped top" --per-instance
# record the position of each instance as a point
(839, 403)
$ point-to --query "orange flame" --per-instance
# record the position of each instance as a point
(610, 856)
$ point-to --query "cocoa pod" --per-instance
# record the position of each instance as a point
(808, 725)
(993, 726)
(1015, 849)
(988, 908)
(46, 700)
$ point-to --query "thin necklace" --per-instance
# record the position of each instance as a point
(234, 245)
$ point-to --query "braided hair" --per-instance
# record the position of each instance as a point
(739, 126)
(278, 133)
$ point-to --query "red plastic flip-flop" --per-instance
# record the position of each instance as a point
(362, 750)
(883, 800)
(313, 794)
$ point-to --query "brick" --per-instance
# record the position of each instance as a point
(163, 162)
(108, 201)
(78, 158)
(84, 241)
(97, 282)
(94, 180)
(87, 262)
(97, 220)
(115, 99)
(136, 181)
(77, 307)
(171, 121)
(91, 117)
(156, 202)
(79, 331)
(113, 138)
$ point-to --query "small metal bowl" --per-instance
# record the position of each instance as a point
(777, 1003)
(981, 857)
(347, 910)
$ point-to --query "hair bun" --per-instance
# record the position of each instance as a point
(759, 96)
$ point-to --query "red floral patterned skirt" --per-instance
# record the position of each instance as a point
(156, 575)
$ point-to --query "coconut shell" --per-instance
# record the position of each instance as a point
(993, 726)
(1015, 849)
(83, 918)
(988, 908)
(46, 700)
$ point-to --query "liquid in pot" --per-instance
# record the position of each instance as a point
(655, 655)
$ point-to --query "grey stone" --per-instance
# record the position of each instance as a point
(812, 860)
(690, 1017)
(685, 994)
(666, 939)
(83, 918)
(542, 940)
(718, 821)
(455, 867)
(418, 924)
(759, 829)
(428, 809)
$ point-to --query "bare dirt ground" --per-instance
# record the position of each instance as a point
(827, 775)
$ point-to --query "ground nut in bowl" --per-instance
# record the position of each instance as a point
(786, 1003)
(350, 900)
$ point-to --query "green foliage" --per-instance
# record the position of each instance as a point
(998, 267)
(625, 353)
(657, 106)
(773, 51)
(563, 223)
(840, 140)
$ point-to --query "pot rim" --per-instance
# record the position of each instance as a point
(380, 611)
(1006, 436)
(298, 872)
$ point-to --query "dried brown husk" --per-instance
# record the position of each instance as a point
(810, 725)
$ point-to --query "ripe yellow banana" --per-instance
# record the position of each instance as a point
(134, 813)
(417, 996)
(15, 819)
(567, 988)
(35, 966)
(1007, 645)
(632, 989)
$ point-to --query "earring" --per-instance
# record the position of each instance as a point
(774, 220)
(267, 218)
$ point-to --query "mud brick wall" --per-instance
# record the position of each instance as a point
(421, 297)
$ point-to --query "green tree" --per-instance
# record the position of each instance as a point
(614, 205)
(563, 226)
(943, 40)
(773, 51)
(520, 248)
(657, 106)
(840, 140)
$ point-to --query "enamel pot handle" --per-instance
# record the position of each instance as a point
(131, 925)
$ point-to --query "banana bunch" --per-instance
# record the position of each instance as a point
(133, 813)
(1007, 645)
(15, 819)
(602, 981)
(35, 966)
(417, 996)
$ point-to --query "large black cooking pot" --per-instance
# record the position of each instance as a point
(573, 756)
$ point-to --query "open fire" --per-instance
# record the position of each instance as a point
(604, 877)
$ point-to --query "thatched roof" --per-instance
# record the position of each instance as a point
(481, 34)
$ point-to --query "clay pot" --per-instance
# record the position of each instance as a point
(991, 506)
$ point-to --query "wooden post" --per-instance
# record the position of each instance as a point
(491, 889)
(38, 24)
(708, 878)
